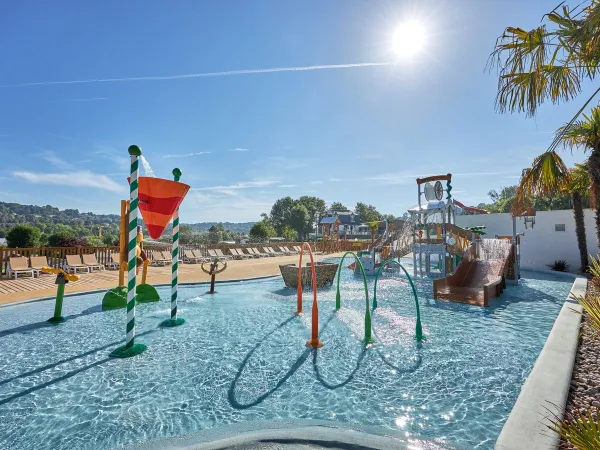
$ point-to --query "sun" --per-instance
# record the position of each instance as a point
(409, 38)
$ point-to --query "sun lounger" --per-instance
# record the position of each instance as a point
(159, 258)
(221, 255)
(114, 262)
(236, 254)
(240, 253)
(20, 265)
(91, 261)
(249, 253)
(198, 254)
(37, 262)
(261, 254)
(286, 251)
(297, 248)
(273, 252)
(189, 257)
(74, 264)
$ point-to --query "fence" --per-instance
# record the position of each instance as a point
(56, 255)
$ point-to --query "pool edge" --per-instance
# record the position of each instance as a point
(160, 285)
(547, 387)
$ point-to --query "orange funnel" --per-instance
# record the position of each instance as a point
(159, 199)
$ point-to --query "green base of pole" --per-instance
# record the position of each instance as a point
(145, 293)
(115, 298)
(59, 319)
(368, 341)
(172, 323)
(127, 352)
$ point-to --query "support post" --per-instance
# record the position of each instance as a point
(131, 348)
(122, 239)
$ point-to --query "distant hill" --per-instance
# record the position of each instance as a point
(242, 227)
(46, 217)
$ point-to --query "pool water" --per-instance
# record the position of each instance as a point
(241, 357)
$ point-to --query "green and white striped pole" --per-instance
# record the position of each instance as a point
(174, 321)
(131, 348)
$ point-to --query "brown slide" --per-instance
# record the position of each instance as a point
(477, 280)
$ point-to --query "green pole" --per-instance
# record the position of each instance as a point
(368, 339)
(131, 348)
(174, 321)
(60, 293)
(418, 329)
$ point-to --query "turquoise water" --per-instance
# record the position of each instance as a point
(241, 357)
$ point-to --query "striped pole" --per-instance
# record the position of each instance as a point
(174, 265)
(130, 348)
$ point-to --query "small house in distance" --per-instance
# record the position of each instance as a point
(337, 224)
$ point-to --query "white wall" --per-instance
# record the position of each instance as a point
(541, 245)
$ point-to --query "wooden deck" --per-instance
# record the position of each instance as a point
(27, 288)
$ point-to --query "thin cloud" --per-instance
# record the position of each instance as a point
(184, 155)
(55, 160)
(316, 182)
(75, 100)
(244, 185)
(206, 74)
(237, 149)
(287, 185)
(60, 136)
(79, 179)
(371, 156)
(112, 154)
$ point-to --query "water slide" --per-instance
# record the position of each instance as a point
(480, 276)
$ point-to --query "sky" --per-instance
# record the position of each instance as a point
(258, 100)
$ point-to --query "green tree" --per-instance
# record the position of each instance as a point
(94, 241)
(261, 232)
(299, 220)
(315, 207)
(59, 238)
(367, 213)
(215, 234)
(289, 234)
(337, 206)
(23, 236)
(281, 213)
(186, 234)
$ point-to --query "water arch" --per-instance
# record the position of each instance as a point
(314, 341)
(418, 330)
(368, 338)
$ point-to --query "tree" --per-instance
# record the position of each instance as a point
(65, 239)
(186, 234)
(215, 234)
(289, 234)
(316, 208)
(367, 213)
(299, 220)
(548, 174)
(337, 206)
(550, 62)
(23, 236)
(261, 232)
(281, 213)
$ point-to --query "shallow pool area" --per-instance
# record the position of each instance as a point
(241, 357)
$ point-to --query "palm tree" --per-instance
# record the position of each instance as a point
(548, 175)
(585, 134)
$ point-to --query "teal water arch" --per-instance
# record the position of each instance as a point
(419, 329)
(368, 338)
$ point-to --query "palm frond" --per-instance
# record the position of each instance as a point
(580, 179)
(580, 429)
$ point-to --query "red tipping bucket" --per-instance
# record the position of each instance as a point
(159, 199)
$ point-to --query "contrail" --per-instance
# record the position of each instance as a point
(206, 74)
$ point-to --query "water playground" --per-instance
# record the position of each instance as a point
(382, 348)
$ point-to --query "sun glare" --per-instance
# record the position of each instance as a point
(409, 38)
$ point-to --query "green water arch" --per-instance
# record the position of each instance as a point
(368, 339)
(419, 329)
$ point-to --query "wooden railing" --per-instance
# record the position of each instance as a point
(56, 255)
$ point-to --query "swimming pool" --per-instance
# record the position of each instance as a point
(241, 357)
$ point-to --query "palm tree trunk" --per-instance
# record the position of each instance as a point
(580, 230)
(594, 171)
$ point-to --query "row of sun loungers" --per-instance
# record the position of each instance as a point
(32, 266)
(195, 256)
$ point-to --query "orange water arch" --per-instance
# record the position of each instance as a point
(314, 341)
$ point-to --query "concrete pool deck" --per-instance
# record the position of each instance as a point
(28, 288)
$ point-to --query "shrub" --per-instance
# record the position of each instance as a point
(65, 239)
(579, 429)
(560, 265)
(23, 236)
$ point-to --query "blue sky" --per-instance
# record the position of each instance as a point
(245, 139)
